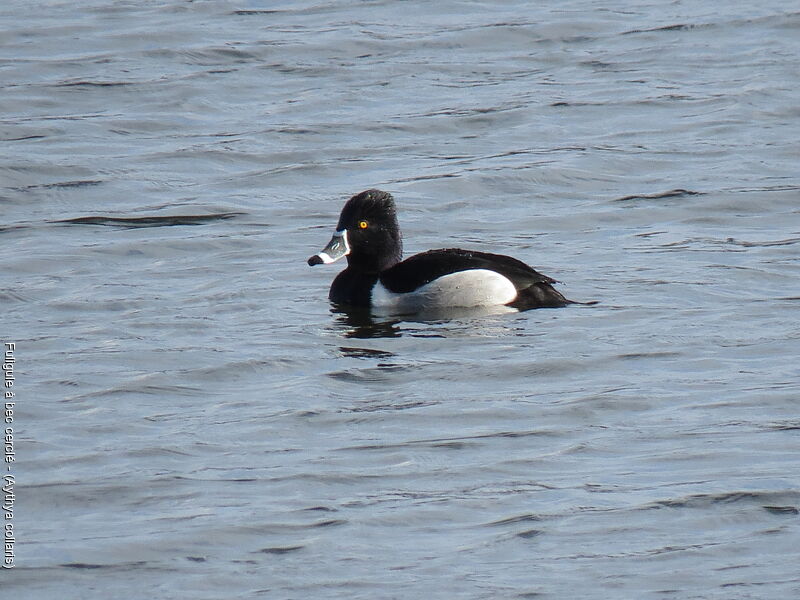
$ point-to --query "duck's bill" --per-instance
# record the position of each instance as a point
(336, 249)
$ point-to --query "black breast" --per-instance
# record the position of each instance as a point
(353, 288)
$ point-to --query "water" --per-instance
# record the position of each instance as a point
(192, 420)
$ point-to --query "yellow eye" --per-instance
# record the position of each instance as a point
(363, 224)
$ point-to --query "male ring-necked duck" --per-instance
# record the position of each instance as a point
(376, 275)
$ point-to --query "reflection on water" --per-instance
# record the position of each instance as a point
(364, 352)
(363, 323)
(359, 323)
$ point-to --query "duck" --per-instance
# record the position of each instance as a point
(368, 236)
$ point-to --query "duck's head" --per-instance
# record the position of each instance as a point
(367, 234)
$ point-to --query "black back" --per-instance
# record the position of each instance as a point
(423, 268)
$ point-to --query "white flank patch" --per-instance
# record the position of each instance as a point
(476, 287)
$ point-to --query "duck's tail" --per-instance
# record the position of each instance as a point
(543, 295)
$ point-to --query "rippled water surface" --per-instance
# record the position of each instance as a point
(193, 421)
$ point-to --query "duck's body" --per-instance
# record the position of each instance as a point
(376, 276)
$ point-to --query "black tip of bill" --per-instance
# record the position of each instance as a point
(315, 260)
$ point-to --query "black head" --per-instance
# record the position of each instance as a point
(367, 233)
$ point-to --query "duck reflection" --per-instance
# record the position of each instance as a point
(366, 323)
(359, 323)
